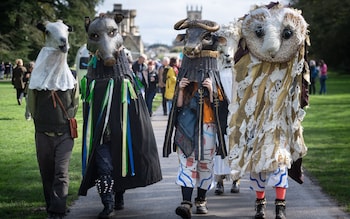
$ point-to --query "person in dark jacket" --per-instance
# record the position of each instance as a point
(151, 90)
(53, 98)
(17, 80)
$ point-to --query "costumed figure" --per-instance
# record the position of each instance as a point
(53, 98)
(199, 113)
(265, 131)
(119, 148)
(231, 32)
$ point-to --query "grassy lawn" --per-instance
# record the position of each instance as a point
(326, 132)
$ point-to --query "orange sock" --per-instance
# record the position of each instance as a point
(260, 194)
(281, 193)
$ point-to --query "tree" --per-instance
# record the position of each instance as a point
(19, 37)
(329, 25)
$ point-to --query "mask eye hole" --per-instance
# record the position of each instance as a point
(112, 33)
(94, 36)
(287, 33)
(207, 37)
(259, 32)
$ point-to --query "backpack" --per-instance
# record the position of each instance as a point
(165, 74)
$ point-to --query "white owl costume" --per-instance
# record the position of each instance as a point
(265, 132)
(231, 32)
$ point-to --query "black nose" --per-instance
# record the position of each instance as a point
(63, 40)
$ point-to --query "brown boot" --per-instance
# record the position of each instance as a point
(184, 210)
(201, 204)
(260, 206)
(280, 209)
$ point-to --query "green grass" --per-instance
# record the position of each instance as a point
(21, 193)
(326, 133)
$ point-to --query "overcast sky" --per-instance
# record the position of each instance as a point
(156, 18)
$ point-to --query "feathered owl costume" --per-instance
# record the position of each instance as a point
(265, 131)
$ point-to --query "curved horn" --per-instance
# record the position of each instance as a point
(212, 27)
(182, 24)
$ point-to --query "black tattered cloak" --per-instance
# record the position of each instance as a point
(196, 70)
(104, 120)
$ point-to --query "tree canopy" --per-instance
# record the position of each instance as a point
(329, 25)
(19, 37)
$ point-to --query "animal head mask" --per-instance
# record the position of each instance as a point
(274, 33)
(104, 39)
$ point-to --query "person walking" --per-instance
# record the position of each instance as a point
(140, 70)
(323, 77)
(2, 70)
(313, 76)
(17, 80)
(26, 78)
(151, 90)
(170, 84)
(53, 100)
(8, 70)
(51, 105)
(267, 135)
(195, 164)
(162, 76)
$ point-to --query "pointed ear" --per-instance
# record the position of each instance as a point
(41, 27)
(70, 28)
(118, 18)
(180, 37)
(87, 23)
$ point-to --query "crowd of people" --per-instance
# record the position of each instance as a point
(155, 76)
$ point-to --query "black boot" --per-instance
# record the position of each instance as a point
(107, 211)
(184, 210)
(219, 188)
(104, 186)
(235, 186)
(119, 200)
(260, 206)
(280, 209)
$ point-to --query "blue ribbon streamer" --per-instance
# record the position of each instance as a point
(131, 156)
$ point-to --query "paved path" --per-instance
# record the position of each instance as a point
(158, 201)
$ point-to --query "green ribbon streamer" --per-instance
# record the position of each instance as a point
(125, 88)
(93, 61)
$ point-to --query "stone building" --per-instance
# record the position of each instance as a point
(129, 30)
(194, 13)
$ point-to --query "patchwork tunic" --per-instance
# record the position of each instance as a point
(265, 131)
